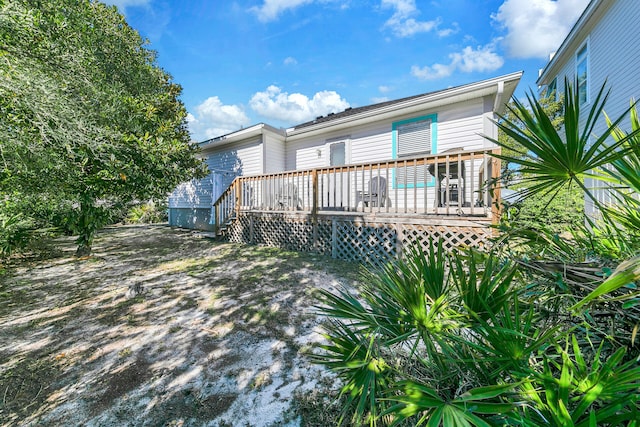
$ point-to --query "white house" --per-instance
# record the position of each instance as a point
(600, 47)
(391, 157)
(361, 184)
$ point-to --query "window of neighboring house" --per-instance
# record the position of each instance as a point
(552, 88)
(338, 154)
(411, 138)
(582, 62)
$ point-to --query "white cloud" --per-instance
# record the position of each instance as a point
(270, 9)
(433, 72)
(384, 89)
(290, 61)
(446, 32)
(482, 59)
(295, 107)
(401, 22)
(212, 118)
(379, 99)
(535, 28)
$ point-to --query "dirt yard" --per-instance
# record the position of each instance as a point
(161, 327)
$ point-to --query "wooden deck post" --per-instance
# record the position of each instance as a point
(238, 197)
(314, 206)
(496, 208)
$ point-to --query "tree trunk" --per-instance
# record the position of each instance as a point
(83, 250)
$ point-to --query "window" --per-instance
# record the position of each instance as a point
(552, 89)
(582, 62)
(412, 138)
(337, 154)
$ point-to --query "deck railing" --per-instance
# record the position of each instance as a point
(452, 183)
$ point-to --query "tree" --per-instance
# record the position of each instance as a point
(87, 117)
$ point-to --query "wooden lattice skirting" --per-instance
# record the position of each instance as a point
(372, 240)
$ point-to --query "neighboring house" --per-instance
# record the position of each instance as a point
(374, 176)
(600, 47)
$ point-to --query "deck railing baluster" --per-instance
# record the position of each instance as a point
(486, 180)
(447, 197)
(461, 180)
(425, 187)
(415, 185)
(472, 183)
(386, 204)
(404, 187)
(345, 187)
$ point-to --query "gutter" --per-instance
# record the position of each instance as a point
(593, 9)
(241, 134)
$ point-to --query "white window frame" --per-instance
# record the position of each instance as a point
(347, 149)
(583, 47)
(552, 85)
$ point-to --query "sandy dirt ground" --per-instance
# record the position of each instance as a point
(162, 327)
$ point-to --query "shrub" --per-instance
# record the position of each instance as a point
(147, 213)
(16, 233)
(540, 330)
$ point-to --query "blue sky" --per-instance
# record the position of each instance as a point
(284, 62)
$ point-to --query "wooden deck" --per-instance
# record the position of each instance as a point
(366, 212)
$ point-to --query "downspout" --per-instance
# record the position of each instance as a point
(499, 96)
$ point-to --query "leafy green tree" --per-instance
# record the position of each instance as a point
(86, 114)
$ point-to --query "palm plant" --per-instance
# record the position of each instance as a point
(474, 339)
(410, 346)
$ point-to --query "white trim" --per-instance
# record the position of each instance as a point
(347, 149)
(585, 23)
(583, 46)
(255, 130)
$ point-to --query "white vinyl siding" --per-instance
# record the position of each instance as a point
(462, 126)
(459, 126)
(228, 160)
(274, 155)
(193, 194)
(613, 57)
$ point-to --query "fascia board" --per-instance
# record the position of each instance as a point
(241, 135)
(583, 26)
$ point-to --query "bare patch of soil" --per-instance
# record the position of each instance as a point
(161, 327)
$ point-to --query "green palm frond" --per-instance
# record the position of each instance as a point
(475, 407)
(356, 358)
(483, 282)
(550, 159)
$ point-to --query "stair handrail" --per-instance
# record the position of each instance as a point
(224, 206)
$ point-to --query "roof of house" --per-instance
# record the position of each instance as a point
(257, 129)
(352, 111)
(381, 105)
(591, 15)
(502, 86)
